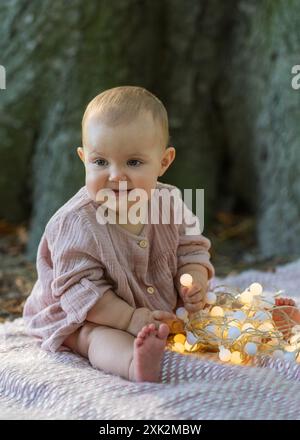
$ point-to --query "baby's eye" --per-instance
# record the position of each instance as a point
(132, 162)
(100, 163)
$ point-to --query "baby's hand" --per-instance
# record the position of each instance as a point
(194, 296)
(143, 316)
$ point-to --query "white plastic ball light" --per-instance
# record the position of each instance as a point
(234, 333)
(246, 297)
(296, 329)
(265, 327)
(290, 348)
(224, 354)
(179, 347)
(189, 347)
(239, 315)
(179, 338)
(236, 357)
(186, 280)
(182, 313)
(256, 289)
(250, 348)
(295, 339)
(191, 338)
(211, 298)
(217, 312)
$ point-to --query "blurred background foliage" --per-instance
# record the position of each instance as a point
(223, 71)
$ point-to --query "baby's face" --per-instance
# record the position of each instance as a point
(131, 152)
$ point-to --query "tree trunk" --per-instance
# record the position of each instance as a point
(261, 113)
(194, 39)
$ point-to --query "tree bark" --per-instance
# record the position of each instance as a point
(193, 41)
(261, 118)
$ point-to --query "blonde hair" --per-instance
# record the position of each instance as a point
(123, 104)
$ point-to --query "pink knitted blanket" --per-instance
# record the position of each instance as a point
(35, 384)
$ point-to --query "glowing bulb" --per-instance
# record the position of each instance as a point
(236, 357)
(295, 338)
(182, 313)
(250, 348)
(265, 327)
(256, 289)
(211, 298)
(296, 329)
(224, 354)
(189, 347)
(179, 347)
(186, 280)
(246, 297)
(217, 312)
(290, 348)
(180, 338)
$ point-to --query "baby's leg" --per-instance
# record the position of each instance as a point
(117, 352)
(108, 349)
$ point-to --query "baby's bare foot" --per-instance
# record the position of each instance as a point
(148, 352)
(287, 316)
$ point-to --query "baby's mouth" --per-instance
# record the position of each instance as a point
(118, 192)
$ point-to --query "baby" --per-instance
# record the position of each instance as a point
(108, 290)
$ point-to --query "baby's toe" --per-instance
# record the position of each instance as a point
(139, 340)
(163, 331)
(146, 329)
(151, 328)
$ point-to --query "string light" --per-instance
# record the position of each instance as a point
(238, 325)
(186, 280)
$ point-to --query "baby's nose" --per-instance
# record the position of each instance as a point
(117, 174)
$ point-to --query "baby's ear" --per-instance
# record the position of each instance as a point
(167, 159)
(80, 153)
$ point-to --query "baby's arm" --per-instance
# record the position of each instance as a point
(112, 311)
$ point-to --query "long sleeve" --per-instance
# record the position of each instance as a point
(71, 279)
(78, 275)
(193, 247)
